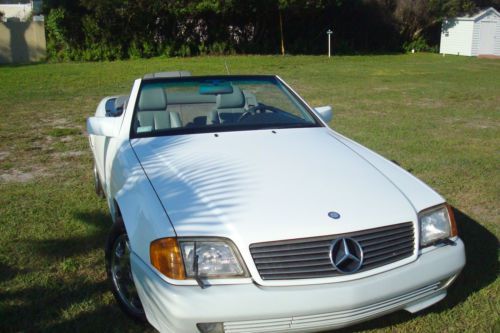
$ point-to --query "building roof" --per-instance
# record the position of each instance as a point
(478, 15)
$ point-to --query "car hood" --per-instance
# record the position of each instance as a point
(265, 185)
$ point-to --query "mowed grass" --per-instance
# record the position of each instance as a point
(437, 116)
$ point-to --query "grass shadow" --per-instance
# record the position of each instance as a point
(63, 306)
(481, 270)
(94, 238)
(7, 272)
(104, 317)
(62, 294)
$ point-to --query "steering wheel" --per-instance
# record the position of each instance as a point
(260, 108)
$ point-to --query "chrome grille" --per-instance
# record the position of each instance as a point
(310, 257)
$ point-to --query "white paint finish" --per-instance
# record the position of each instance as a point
(456, 37)
(144, 216)
(497, 37)
(254, 186)
(472, 35)
(103, 126)
(123, 180)
(20, 11)
(101, 129)
(240, 183)
(325, 112)
(224, 303)
(487, 30)
(475, 38)
(128, 113)
(418, 193)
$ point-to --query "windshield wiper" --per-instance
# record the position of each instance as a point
(195, 270)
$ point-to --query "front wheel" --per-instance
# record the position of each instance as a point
(119, 272)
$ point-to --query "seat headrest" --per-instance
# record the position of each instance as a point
(230, 101)
(121, 101)
(153, 99)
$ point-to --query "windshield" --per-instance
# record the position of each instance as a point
(215, 104)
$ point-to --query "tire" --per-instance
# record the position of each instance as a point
(97, 184)
(119, 272)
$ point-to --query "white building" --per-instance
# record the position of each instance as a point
(472, 35)
(20, 11)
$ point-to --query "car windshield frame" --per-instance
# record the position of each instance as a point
(272, 79)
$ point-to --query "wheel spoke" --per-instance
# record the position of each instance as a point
(121, 272)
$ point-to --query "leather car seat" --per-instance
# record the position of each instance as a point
(153, 111)
(229, 108)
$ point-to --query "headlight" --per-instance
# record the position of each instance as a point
(435, 224)
(216, 258)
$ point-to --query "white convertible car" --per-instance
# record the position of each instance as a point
(237, 209)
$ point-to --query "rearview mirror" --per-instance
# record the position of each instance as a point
(325, 112)
(103, 126)
(216, 88)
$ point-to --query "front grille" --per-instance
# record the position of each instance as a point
(310, 257)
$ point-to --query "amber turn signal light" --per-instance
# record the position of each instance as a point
(166, 257)
(453, 224)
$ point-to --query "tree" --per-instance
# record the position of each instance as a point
(114, 29)
(420, 20)
(414, 17)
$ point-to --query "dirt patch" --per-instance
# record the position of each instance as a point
(488, 56)
(3, 155)
(17, 176)
(382, 88)
(70, 154)
(58, 122)
(67, 139)
(429, 103)
(481, 125)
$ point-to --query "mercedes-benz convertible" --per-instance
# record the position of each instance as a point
(236, 208)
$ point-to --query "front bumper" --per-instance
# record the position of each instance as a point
(252, 308)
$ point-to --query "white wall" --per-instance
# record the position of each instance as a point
(456, 37)
(22, 42)
(491, 16)
(21, 11)
(497, 40)
(475, 37)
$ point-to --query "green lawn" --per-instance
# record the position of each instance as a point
(437, 116)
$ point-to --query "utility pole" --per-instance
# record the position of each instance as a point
(281, 33)
(329, 33)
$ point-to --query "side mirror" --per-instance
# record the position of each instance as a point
(115, 105)
(104, 126)
(325, 112)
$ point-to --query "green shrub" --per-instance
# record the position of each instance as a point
(167, 50)
(184, 51)
(143, 49)
(148, 49)
(202, 49)
(134, 52)
(218, 48)
(57, 46)
(419, 45)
